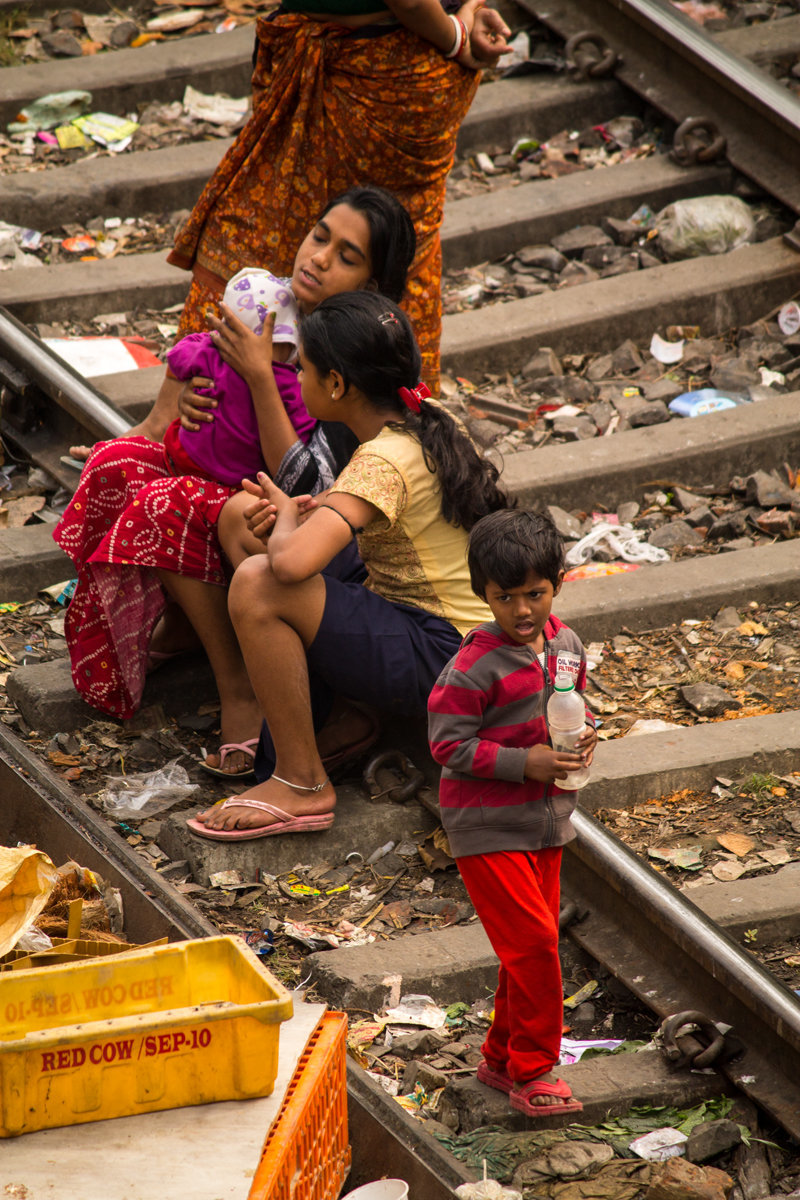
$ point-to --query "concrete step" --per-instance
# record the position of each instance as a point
(459, 963)
(715, 293)
(596, 608)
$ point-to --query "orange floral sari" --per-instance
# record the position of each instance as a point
(332, 107)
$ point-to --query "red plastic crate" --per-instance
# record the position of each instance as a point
(307, 1153)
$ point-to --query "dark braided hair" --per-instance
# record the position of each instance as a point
(369, 341)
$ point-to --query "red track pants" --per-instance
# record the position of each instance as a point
(516, 896)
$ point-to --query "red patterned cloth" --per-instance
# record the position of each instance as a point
(130, 515)
(332, 107)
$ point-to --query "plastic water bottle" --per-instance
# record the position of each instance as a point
(566, 721)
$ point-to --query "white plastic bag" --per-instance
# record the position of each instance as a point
(133, 797)
(622, 540)
(704, 225)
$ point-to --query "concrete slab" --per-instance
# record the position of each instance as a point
(602, 472)
(111, 285)
(596, 608)
(44, 695)
(770, 904)
(459, 963)
(631, 770)
(117, 82)
(537, 106)
(666, 592)
(608, 1087)
(31, 560)
(731, 289)
(152, 181)
(359, 826)
(449, 965)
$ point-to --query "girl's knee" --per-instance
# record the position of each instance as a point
(251, 588)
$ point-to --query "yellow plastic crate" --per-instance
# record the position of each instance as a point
(187, 1023)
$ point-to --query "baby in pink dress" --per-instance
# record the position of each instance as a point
(228, 449)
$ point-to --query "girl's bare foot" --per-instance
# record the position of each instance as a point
(240, 721)
(290, 800)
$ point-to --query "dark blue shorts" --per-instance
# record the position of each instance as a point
(367, 648)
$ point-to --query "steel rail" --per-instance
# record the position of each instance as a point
(673, 64)
(674, 958)
(59, 381)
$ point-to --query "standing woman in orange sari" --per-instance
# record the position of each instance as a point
(344, 92)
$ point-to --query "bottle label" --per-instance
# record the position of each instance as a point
(568, 663)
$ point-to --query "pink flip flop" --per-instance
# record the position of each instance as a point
(248, 747)
(520, 1098)
(500, 1080)
(284, 823)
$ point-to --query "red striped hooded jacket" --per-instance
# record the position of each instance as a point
(485, 711)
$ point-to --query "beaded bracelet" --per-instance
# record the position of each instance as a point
(461, 36)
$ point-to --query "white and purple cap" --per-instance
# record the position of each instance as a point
(254, 293)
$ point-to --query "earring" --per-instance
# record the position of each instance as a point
(333, 394)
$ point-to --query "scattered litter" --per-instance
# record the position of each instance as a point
(219, 110)
(703, 401)
(106, 129)
(56, 108)
(622, 540)
(573, 1050)
(418, 1010)
(704, 225)
(687, 858)
(582, 994)
(60, 593)
(789, 318)
(666, 352)
(133, 797)
(599, 570)
(660, 1144)
(92, 356)
(651, 725)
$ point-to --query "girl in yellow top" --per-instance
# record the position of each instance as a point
(412, 491)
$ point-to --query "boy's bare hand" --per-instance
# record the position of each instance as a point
(545, 764)
(586, 744)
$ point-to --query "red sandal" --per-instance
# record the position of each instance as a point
(520, 1098)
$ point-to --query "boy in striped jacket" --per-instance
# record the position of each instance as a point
(506, 818)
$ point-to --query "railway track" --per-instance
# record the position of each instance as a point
(45, 406)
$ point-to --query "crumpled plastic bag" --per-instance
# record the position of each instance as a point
(704, 225)
(132, 797)
(487, 1189)
(56, 108)
(622, 540)
(27, 878)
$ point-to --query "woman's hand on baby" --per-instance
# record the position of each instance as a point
(196, 407)
(249, 353)
(545, 764)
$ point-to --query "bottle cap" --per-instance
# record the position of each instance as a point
(564, 682)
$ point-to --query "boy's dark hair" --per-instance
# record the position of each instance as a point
(506, 545)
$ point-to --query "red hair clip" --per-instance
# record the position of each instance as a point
(413, 397)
